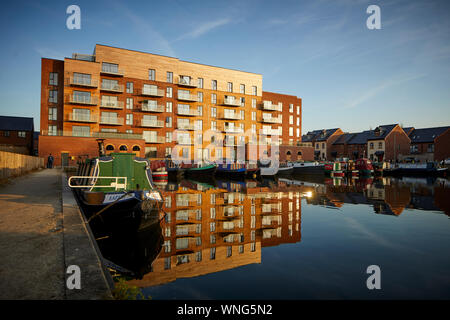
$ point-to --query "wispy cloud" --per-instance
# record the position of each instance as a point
(372, 92)
(203, 29)
(146, 29)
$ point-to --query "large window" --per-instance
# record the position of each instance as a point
(110, 67)
(53, 79)
(82, 96)
(169, 77)
(151, 74)
(242, 88)
(52, 131)
(52, 114)
(53, 96)
(81, 131)
(81, 78)
(81, 114)
(129, 87)
(214, 85)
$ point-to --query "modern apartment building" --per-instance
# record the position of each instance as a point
(158, 106)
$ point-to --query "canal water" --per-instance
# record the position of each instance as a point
(293, 238)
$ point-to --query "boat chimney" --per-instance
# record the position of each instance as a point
(101, 147)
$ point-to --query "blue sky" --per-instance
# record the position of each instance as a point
(320, 50)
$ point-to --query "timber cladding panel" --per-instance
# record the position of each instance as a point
(136, 64)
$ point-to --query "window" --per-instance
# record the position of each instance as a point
(108, 130)
(200, 83)
(129, 87)
(430, 147)
(52, 131)
(214, 85)
(168, 106)
(254, 103)
(81, 114)
(291, 131)
(52, 114)
(169, 77)
(109, 84)
(80, 131)
(53, 96)
(168, 151)
(254, 90)
(213, 98)
(298, 121)
(169, 92)
(291, 119)
(291, 107)
(110, 67)
(129, 119)
(200, 96)
(253, 116)
(109, 147)
(371, 145)
(230, 87)
(242, 88)
(21, 134)
(212, 238)
(229, 251)
(242, 114)
(151, 74)
(298, 110)
(213, 112)
(53, 79)
(323, 145)
(380, 145)
(168, 137)
(200, 111)
(213, 126)
(168, 122)
(298, 132)
(129, 103)
(212, 254)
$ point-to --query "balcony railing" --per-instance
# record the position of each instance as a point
(82, 82)
(152, 92)
(185, 126)
(111, 104)
(187, 142)
(77, 99)
(112, 71)
(187, 82)
(232, 102)
(112, 87)
(149, 107)
(187, 97)
(111, 121)
(81, 117)
(231, 116)
(189, 112)
(270, 132)
(232, 129)
(271, 119)
(105, 135)
(155, 139)
(267, 105)
(152, 123)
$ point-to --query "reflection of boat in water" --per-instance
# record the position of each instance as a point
(133, 253)
(428, 168)
(313, 167)
(235, 170)
(116, 187)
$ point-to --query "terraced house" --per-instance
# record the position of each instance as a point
(158, 106)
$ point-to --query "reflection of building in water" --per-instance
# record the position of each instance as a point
(387, 195)
(209, 229)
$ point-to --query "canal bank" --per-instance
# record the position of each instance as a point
(42, 232)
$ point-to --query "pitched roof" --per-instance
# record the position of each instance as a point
(384, 131)
(426, 134)
(360, 137)
(408, 130)
(344, 138)
(318, 135)
(16, 123)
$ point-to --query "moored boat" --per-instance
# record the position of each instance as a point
(252, 170)
(205, 170)
(159, 172)
(285, 169)
(334, 170)
(313, 167)
(235, 170)
(174, 170)
(365, 167)
(428, 168)
(117, 187)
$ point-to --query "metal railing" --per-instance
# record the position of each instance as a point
(230, 116)
(189, 112)
(78, 99)
(152, 123)
(76, 81)
(115, 184)
(151, 107)
(112, 87)
(184, 126)
(187, 82)
(187, 97)
(81, 117)
(111, 104)
(152, 92)
(267, 105)
(111, 120)
(104, 135)
(236, 102)
(157, 139)
(111, 70)
(267, 119)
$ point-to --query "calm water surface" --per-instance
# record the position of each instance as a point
(298, 238)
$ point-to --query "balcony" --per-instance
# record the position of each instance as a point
(112, 71)
(231, 102)
(267, 105)
(155, 139)
(188, 113)
(152, 123)
(230, 116)
(111, 104)
(187, 97)
(270, 132)
(111, 87)
(78, 99)
(266, 119)
(185, 142)
(185, 126)
(111, 121)
(229, 143)
(152, 92)
(81, 82)
(151, 107)
(186, 82)
(232, 129)
(74, 117)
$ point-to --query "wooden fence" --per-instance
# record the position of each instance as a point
(15, 164)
